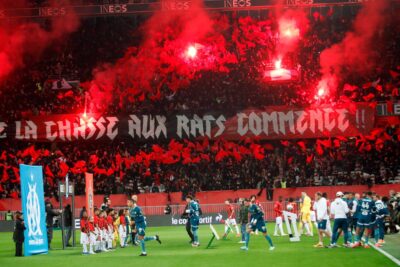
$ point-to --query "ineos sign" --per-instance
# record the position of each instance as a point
(237, 3)
(52, 11)
(114, 9)
(175, 5)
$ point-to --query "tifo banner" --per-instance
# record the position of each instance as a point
(279, 122)
(283, 122)
(89, 194)
(33, 209)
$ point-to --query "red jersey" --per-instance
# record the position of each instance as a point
(96, 220)
(84, 226)
(278, 209)
(110, 220)
(91, 226)
(230, 209)
(102, 223)
(122, 220)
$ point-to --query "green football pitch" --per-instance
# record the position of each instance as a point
(175, 251)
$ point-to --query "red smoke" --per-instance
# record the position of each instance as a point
(355, 53)
(325, 88)
(161, 62)
(292, 25)
(19, 40)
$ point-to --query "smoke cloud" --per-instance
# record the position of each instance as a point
(292, 25)
(160, 62)
(355, 53)
(21, 39)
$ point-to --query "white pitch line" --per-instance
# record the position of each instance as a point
(387, 255)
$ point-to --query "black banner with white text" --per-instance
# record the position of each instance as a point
(280, 122)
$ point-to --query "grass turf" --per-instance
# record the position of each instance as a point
(175, 251)
(392, 245)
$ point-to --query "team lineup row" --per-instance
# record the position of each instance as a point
(365, 215)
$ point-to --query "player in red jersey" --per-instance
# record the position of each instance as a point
(103, 232)
(231, 220)
(278, 210)
(97, 231)
(91, 235)
(109, 228)
(122, 230)
(84, 232)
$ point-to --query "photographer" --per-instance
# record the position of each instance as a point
(19, 233)
(167, 210)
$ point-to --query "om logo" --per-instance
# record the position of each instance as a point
(33, 211)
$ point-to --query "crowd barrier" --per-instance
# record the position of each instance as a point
(155, 216)
(158, 201)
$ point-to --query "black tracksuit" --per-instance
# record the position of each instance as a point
(185, 215)
(50, 213)
(19, 236)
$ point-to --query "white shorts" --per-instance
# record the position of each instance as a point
(231, 221)
(106, 234)
(97, 231)
(103, 234)
(111, 235)
(312, 216)
(84, 238)
(110, 231)
(92, 238)
(278, 220)
(122, 231)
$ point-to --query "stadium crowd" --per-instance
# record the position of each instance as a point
(134, 168)
(75, 59)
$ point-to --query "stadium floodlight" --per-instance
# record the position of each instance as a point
(293, 218)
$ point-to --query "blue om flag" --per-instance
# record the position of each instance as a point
(33, 208)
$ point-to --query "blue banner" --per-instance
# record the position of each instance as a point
(33, 208)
